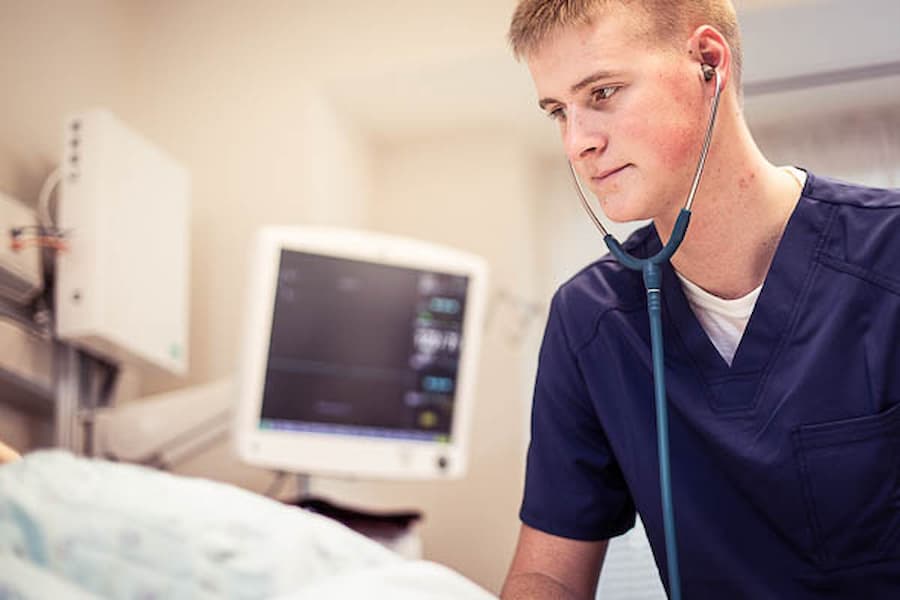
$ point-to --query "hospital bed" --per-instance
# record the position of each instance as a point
(81, 528)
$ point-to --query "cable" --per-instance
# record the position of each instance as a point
(50, 184)
(42, 237)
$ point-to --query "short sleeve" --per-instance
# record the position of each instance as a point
(574, 487)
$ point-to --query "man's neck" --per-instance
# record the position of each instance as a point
(739, 215)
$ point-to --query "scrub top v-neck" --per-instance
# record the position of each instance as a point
(785, 465)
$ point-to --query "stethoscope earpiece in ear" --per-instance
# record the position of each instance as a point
(708, 72)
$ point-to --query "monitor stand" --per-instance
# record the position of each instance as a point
(395, 530)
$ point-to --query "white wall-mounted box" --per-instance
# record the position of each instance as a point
(122, 287)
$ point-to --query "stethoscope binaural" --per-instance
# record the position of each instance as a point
(652, 282)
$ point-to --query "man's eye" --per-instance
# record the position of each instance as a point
(556, 114)
(604, 93)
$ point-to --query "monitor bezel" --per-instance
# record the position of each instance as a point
(336, 454)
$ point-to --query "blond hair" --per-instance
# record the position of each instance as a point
(664, 22)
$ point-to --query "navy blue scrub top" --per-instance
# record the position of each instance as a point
(786, 465)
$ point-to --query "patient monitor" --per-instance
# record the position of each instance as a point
(359, 355)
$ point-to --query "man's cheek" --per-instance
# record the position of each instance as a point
(667, 143)
(679, 148)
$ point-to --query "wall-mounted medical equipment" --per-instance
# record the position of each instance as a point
(20, 267)
(359, 356)
(167, 428)
(122, 286)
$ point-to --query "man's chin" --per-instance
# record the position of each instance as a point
(622, 214)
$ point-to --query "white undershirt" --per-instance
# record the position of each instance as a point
(724, 321)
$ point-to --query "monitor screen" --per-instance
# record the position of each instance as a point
(359, 354)
(361, 348)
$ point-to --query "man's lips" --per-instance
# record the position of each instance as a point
(604, 175)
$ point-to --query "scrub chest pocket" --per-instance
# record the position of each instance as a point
(850, 471)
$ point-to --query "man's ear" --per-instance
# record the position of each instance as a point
(708, 46)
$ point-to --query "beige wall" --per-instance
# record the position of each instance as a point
(57, 57)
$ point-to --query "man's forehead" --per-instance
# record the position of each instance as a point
(571, 54)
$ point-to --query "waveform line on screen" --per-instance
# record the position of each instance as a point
(293, 365)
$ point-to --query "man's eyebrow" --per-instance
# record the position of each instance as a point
(593, 77)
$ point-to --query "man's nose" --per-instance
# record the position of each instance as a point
(583, 134)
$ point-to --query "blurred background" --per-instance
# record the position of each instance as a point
(407, 117)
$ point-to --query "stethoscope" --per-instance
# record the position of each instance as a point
(652, 282)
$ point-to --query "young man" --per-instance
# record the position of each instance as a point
(784, 428)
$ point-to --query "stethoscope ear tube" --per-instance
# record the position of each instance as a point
(636, 264)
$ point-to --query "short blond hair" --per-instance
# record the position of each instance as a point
(664, 22)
